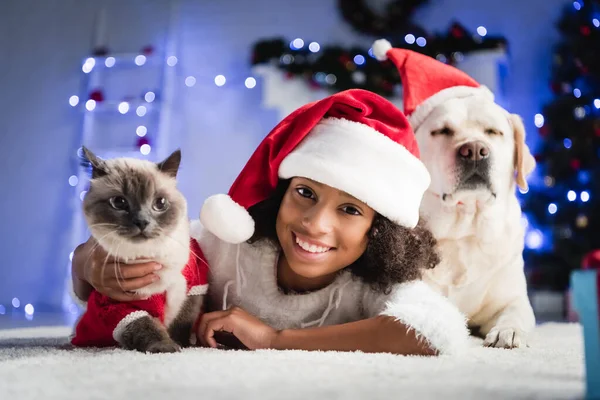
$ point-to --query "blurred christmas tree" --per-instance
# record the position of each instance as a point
(563, 212)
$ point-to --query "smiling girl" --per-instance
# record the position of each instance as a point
(318, 245)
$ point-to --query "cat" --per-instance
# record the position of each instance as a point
(135, 212)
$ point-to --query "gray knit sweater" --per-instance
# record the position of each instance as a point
(245, 275)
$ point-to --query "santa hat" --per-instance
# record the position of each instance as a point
(427, 82)
(355, 141)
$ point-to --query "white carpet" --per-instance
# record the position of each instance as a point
(33, 366)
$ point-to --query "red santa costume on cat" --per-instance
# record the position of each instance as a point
(105, 320)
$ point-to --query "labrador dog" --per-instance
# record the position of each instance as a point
(476, 154)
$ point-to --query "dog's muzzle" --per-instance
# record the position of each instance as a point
(473, 165)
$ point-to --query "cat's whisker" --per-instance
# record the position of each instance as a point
(93, 249)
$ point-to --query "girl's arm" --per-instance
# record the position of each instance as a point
(374, 335)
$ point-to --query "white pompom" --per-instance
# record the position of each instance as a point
(380, 49)
(226, 219)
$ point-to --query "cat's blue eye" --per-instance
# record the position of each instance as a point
(118, 203)
(304, 192)
(160, 204)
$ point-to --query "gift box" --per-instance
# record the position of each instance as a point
(585, 284)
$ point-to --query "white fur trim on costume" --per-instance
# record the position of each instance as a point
(419, 115)
(226, 219)
(363, 162)
(432, 316)
(129, 318)
(380, 49)
(198, 290)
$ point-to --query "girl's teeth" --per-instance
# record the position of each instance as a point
(311, 248)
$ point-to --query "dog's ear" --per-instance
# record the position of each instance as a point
(524, 161)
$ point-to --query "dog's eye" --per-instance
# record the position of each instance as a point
(444, 131)
(491, 131)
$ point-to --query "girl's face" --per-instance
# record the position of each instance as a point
(321, 229)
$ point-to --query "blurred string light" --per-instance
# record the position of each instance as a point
(73, 100)
(571, 195)
(568, 143)
(552, 208)
(150, 97)
(123, 107)
(297, 44)
(577, 5)
(140, 60)
(596, 22)
(145, 149)
(141, 111)
(481, 31)
(534, 239)
(577, 93)
(584, 196)
(250, 82)
(90, 105)
(410, 38)
(359, 59)
(88, 65)
(16, 303)
(73, 180)
(220, 80)
(314, 47)
(29, 310)
(421, 42)
(2, 309)
(190, 81)
(141, 131)
(110, 62)
(172, 61)
(597, 103)
(538, 120)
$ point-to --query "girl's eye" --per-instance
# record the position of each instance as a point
(351, 210)
(304, 192)
(118, 203)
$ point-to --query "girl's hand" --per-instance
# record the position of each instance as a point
(108, 276)
(248, 329)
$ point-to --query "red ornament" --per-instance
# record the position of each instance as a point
(591, 260)
(148, 50)
(544, 131)
(289, 75)
(387, 86)
(538, 158)
(313, 84)
(597, 131)
(97, 95)
(556, 87)
(344, 59)
(585, 30)
(142, 141)
(575, 164)
(457, 31)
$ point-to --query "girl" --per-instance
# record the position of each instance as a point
(318, 245)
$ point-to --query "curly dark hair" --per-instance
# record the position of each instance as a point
(394, 253)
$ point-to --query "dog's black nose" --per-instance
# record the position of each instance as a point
(473, 151)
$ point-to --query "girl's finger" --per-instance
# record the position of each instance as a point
(205, 320)
(133, 284)
(131, 271)
(214, 325)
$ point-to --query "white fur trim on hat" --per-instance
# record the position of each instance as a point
(380, 49)
(365, 163)
(226, 219)
(433, 317)
(456, 92)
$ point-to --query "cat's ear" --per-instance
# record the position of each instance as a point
(170, 165)
(98, 165)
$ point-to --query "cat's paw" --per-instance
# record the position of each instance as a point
(164, 346)
(507, 338)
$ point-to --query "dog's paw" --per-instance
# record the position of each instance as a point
(164, 346)
(507, 338)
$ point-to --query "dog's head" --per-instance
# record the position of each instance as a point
(473, 147)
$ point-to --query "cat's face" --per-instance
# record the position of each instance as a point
(134, 200)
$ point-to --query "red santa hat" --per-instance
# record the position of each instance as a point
(427, 82)
(355, 141)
